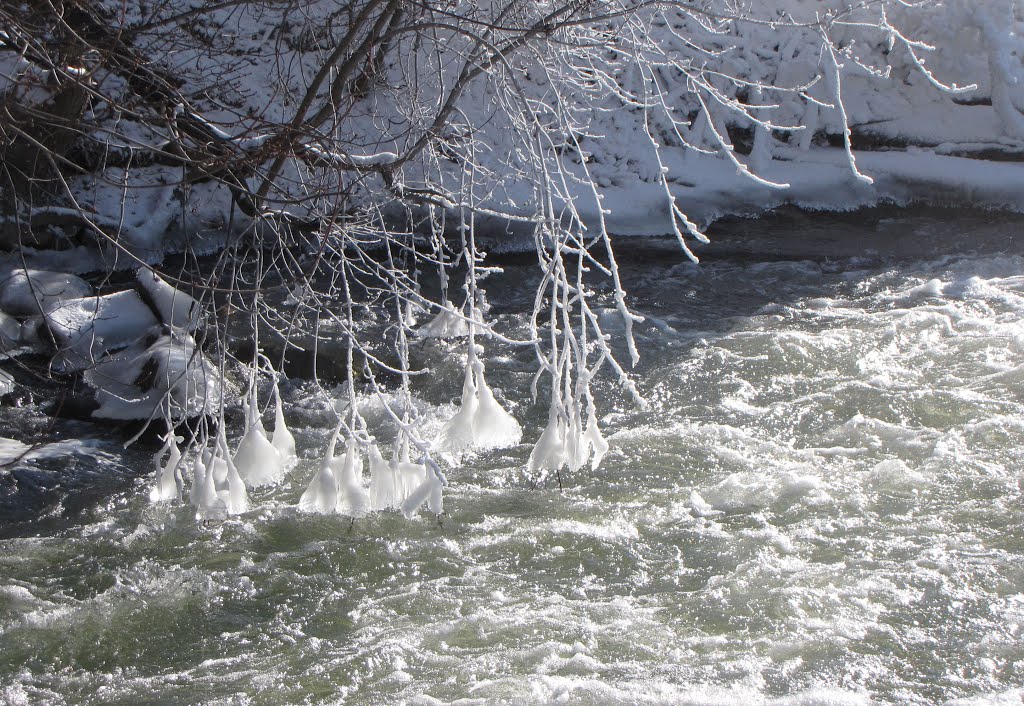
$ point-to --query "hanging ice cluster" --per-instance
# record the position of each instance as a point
(398, 484)
(481, 422)
(261, 461)
(217, 488)
(567, 443)
(219, 478)
(169, 478)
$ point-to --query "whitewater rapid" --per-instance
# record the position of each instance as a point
(822, 504)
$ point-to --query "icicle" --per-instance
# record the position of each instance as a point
(258, 462)
(429, 491)
(321, 494)
(233, 492)
(550, 453)
(411, 314)
(493, 427)
(236, 497)
(169, 481)
(199, 464)
(283, 441)
(592, 437)
(353, 500)
(457, 434)
(435, 503)
(407, 475)
(211, 505)
(383, 482)
(577, 448)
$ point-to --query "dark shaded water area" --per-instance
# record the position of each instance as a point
(821, 504)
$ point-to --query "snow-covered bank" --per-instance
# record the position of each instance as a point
(632, 110)
(818, 180)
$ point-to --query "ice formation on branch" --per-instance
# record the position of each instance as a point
(337, 487)
(395, 481)
(550, 452)
(353, 499)
(218, 490)
(429, 491)
(481, 422)
(448, 323)
(169, 478)
(258, 460)
(321, 494)
(571, 445)
(282, 440)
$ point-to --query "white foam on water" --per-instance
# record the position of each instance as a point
(820, 507)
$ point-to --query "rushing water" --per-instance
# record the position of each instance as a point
(821, 505)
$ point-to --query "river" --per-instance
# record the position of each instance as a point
(822, 504)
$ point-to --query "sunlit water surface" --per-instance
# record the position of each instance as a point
(821, 505)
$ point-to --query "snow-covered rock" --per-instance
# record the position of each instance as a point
(10, 332)
(175, 308)
(6, 383)
(168, 375)
(86, 328)
(33, 292)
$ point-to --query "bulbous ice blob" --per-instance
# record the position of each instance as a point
(549, 453)
(169, 480)
(493, 427)
(321, 494)
(353, 500)
(211, 504)
(282, 440)
(258, 462)
(458, 433)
